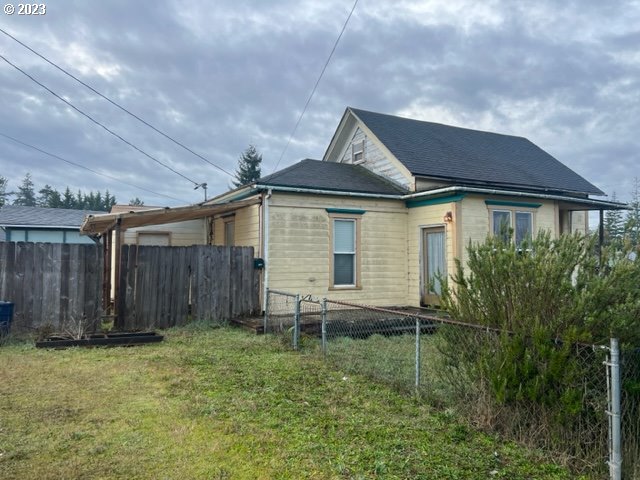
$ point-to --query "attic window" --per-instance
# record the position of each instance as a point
(357, 152)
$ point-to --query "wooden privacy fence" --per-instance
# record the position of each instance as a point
(160, 287)
(51, 284)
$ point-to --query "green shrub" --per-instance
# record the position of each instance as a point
(545, 297)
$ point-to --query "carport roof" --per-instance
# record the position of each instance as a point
(100, 224)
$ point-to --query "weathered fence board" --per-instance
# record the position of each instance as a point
(157, 285)
(51, 284)
(60, 285)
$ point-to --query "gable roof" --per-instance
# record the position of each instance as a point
(19, 216)
(315, 174)
(467, 156)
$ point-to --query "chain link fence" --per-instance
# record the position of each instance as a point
(630, 412)
(541, 392)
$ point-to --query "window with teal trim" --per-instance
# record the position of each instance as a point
(512, 225)
(344, 252)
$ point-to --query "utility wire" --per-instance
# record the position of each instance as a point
(116, 104)
(53, 155)
(335, 45)
(98, 123)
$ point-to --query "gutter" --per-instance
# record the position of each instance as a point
(445, 190)
(509, 193)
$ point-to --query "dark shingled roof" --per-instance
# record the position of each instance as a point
(471, 156)
(14, 215)
(331, 176)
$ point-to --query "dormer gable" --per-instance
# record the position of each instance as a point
(353, 143)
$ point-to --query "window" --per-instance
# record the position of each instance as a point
(229, 232)
(344, 252)
(512, 225)
(357, 152)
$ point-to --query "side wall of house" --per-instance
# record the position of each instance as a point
(300, 247)
(181, 234)
(246, 228)
(475, 218)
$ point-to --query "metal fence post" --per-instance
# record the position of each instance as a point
(417, 356)
(324, 327)
(265, 321)
(615, 442)
(296, 323)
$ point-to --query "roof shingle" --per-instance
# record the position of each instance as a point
(463, 155)
(15, 215)
(316, 174)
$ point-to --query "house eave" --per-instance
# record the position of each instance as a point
(529, 188)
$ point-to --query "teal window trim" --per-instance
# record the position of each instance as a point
(435, 201)
(502, 203)
(347, 211)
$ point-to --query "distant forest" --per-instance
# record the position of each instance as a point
(49, 197)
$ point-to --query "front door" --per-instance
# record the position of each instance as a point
(433, 264)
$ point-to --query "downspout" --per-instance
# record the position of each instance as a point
(265, 249)
(116, 293)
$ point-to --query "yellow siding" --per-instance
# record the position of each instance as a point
(419, 218)
(300, 248)
(475, 218)
(579, 222)
(182, 234)
(247, 229)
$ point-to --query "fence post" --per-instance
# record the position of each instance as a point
(296, 323)
(265, 320)
(324, 327)
(615, 442)
(417, 356)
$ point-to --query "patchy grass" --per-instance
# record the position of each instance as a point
(222, 404)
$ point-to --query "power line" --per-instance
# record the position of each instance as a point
(57, 157)
(116, 104)
(98, 123)
(335, 45)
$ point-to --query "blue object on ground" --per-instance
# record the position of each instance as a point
(6, 316)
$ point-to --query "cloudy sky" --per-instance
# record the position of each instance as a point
(220, 75)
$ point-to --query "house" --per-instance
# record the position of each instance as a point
(392, 202)
(396, 200)
(36, 224)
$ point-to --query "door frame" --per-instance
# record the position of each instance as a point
(427, 298)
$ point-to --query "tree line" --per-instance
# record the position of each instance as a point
(49, 197)
(622, 228)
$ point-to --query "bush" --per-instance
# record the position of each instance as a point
(545, 298)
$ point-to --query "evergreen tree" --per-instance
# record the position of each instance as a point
(248, 170)
(68, 201)
(136, 202)
(632, 225)
(26, 195)
(49, 197)
(614, 226)
(3, 190)
(109, 201)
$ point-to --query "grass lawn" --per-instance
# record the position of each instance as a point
(223, 404)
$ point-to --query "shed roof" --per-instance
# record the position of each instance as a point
(38, 217)
(101, 224)
(315, 174)
(469, 156)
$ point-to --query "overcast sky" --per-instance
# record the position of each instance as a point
(220, 75)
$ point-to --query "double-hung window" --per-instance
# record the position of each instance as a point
(344, 252)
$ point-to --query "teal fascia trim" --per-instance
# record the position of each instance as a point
(435, 201)
(512, 204)
(348, 211)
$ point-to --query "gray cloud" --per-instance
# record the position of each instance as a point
(218, 76)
